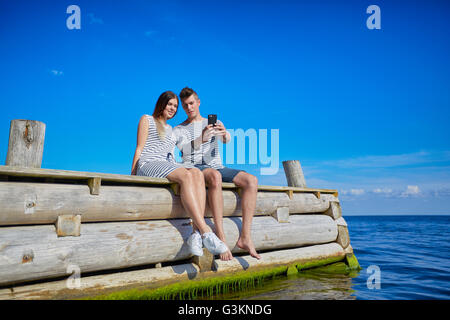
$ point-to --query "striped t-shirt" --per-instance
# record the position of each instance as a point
(207, 154)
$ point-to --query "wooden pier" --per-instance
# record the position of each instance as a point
(53, 222)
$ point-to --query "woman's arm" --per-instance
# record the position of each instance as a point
(142, 134)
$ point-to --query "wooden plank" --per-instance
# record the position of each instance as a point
(129, 179)
(42, 203)
(104, 246)
(79, 175)
(227, 185)
(154, 277)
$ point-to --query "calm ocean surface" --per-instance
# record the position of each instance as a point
(411, 252)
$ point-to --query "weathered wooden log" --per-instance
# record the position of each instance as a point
(334, 210)
(154, 277)
(294, 173)
(343, 236)
(26, 143)
(41, 203)
(35, 252)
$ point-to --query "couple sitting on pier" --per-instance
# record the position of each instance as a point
(198, 142)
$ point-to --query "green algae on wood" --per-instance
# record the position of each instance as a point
(352, 262)
(292, 270)
(242, 280)
(199, 288)
(317, 263)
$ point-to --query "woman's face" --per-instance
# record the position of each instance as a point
(170, 109)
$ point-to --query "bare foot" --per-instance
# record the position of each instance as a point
(247, 244)
(226, 256)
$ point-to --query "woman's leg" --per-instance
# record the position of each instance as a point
(191, 195)
(199, 191)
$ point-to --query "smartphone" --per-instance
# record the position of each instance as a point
(212, 119)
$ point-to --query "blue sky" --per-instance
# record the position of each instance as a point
(365, 111)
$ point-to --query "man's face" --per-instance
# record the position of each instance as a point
(191, 106)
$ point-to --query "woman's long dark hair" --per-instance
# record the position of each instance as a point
(161, 104)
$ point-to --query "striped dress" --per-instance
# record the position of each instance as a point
(157, 159)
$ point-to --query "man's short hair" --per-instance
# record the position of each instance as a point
(186, 93)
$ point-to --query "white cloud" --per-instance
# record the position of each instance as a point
(384, 190)
(56, 72)
(411, 190)
(357, 192)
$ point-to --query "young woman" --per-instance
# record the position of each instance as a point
(154, 157)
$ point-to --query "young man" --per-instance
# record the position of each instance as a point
(199, 148)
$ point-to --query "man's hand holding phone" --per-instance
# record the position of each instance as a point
(208, 132)
(220, 130)
(214, 128)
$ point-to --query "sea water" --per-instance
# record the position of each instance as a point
(402, 257)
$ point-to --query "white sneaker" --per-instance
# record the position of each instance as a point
(195, 244)
(214, 244)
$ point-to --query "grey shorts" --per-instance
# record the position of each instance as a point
(228, 174)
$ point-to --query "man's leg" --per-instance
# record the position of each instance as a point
(213, 180)
(249, 186)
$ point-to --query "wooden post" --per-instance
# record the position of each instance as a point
(205, 262)
(94, 185)
(26, 143)
(294, 173)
